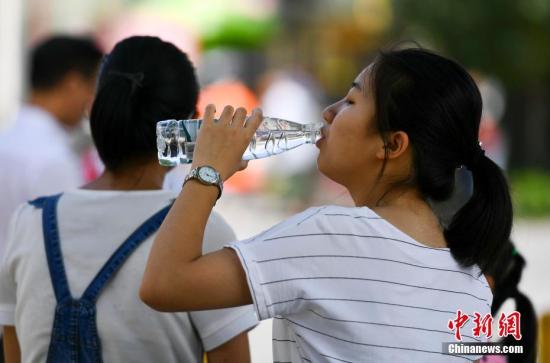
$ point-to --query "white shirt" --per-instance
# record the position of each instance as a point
(92, 225)
(35, 159)
(344, 285)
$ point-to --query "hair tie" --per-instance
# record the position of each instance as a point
(135, 78)
(475, 156)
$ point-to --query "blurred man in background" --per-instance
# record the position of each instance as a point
(36, 154)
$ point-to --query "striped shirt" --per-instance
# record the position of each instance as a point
(344, 285)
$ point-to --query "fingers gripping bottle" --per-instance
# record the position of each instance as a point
(176, 139)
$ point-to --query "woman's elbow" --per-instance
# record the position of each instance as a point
(152, 295)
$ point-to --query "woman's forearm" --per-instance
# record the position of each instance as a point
(236, 350)
(12, 352)
(178, 243)
(177, 276)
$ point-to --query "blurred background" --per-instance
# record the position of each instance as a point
(294, 57)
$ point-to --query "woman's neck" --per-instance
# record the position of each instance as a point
(147, 176)
(381, 194)
(406, 209)
(400, 197)
(385, 196)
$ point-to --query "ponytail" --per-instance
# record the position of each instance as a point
(528, 326)
(483, 225)
(506, 273)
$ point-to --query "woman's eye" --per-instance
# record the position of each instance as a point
(348, 102)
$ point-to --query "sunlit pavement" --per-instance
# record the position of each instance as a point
(249, 215)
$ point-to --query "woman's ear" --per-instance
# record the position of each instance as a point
(396, 144)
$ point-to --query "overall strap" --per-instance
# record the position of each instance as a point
(114, 263)
(38, 202)
(54, 256)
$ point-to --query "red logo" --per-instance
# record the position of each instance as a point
(483, 325)
(510, 325)
(458, 323)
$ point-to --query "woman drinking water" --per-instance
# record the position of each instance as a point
(377, 282)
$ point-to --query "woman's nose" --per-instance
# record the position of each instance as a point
(328, 114)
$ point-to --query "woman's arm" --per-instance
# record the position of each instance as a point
(177, 276)
(236, 350)
(12, 353)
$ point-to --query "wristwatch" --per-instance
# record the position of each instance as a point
(206, 175)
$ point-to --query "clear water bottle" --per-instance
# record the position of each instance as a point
(176, 139)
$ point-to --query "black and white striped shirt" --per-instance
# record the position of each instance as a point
(344, 285)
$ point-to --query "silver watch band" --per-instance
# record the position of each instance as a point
(194, 174)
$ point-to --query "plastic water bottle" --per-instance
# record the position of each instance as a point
(176, 139)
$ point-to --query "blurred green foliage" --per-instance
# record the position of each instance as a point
(506, 38)
(531, 193)
(239, 31)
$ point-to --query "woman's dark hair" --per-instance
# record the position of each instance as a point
(437, 103)
(142, 81)
(506, 273)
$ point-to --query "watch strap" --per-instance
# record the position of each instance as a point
(194, 174)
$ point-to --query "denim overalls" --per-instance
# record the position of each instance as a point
(74, 336)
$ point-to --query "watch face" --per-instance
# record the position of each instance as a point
(208, 174)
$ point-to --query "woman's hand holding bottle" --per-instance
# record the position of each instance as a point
(221, 144)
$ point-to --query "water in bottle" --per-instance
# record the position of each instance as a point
(169, 142)
(176, 139)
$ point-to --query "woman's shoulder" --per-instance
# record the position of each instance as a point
(348, 211)
(23, 232)
(330, 210)
(336, 215)
(318, 220)
(24, 215)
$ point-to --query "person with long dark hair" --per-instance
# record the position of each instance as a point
(69, 280)
(377, 282)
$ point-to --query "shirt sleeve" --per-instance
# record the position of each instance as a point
(8, 291)
(277, 272)
(216, 327)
